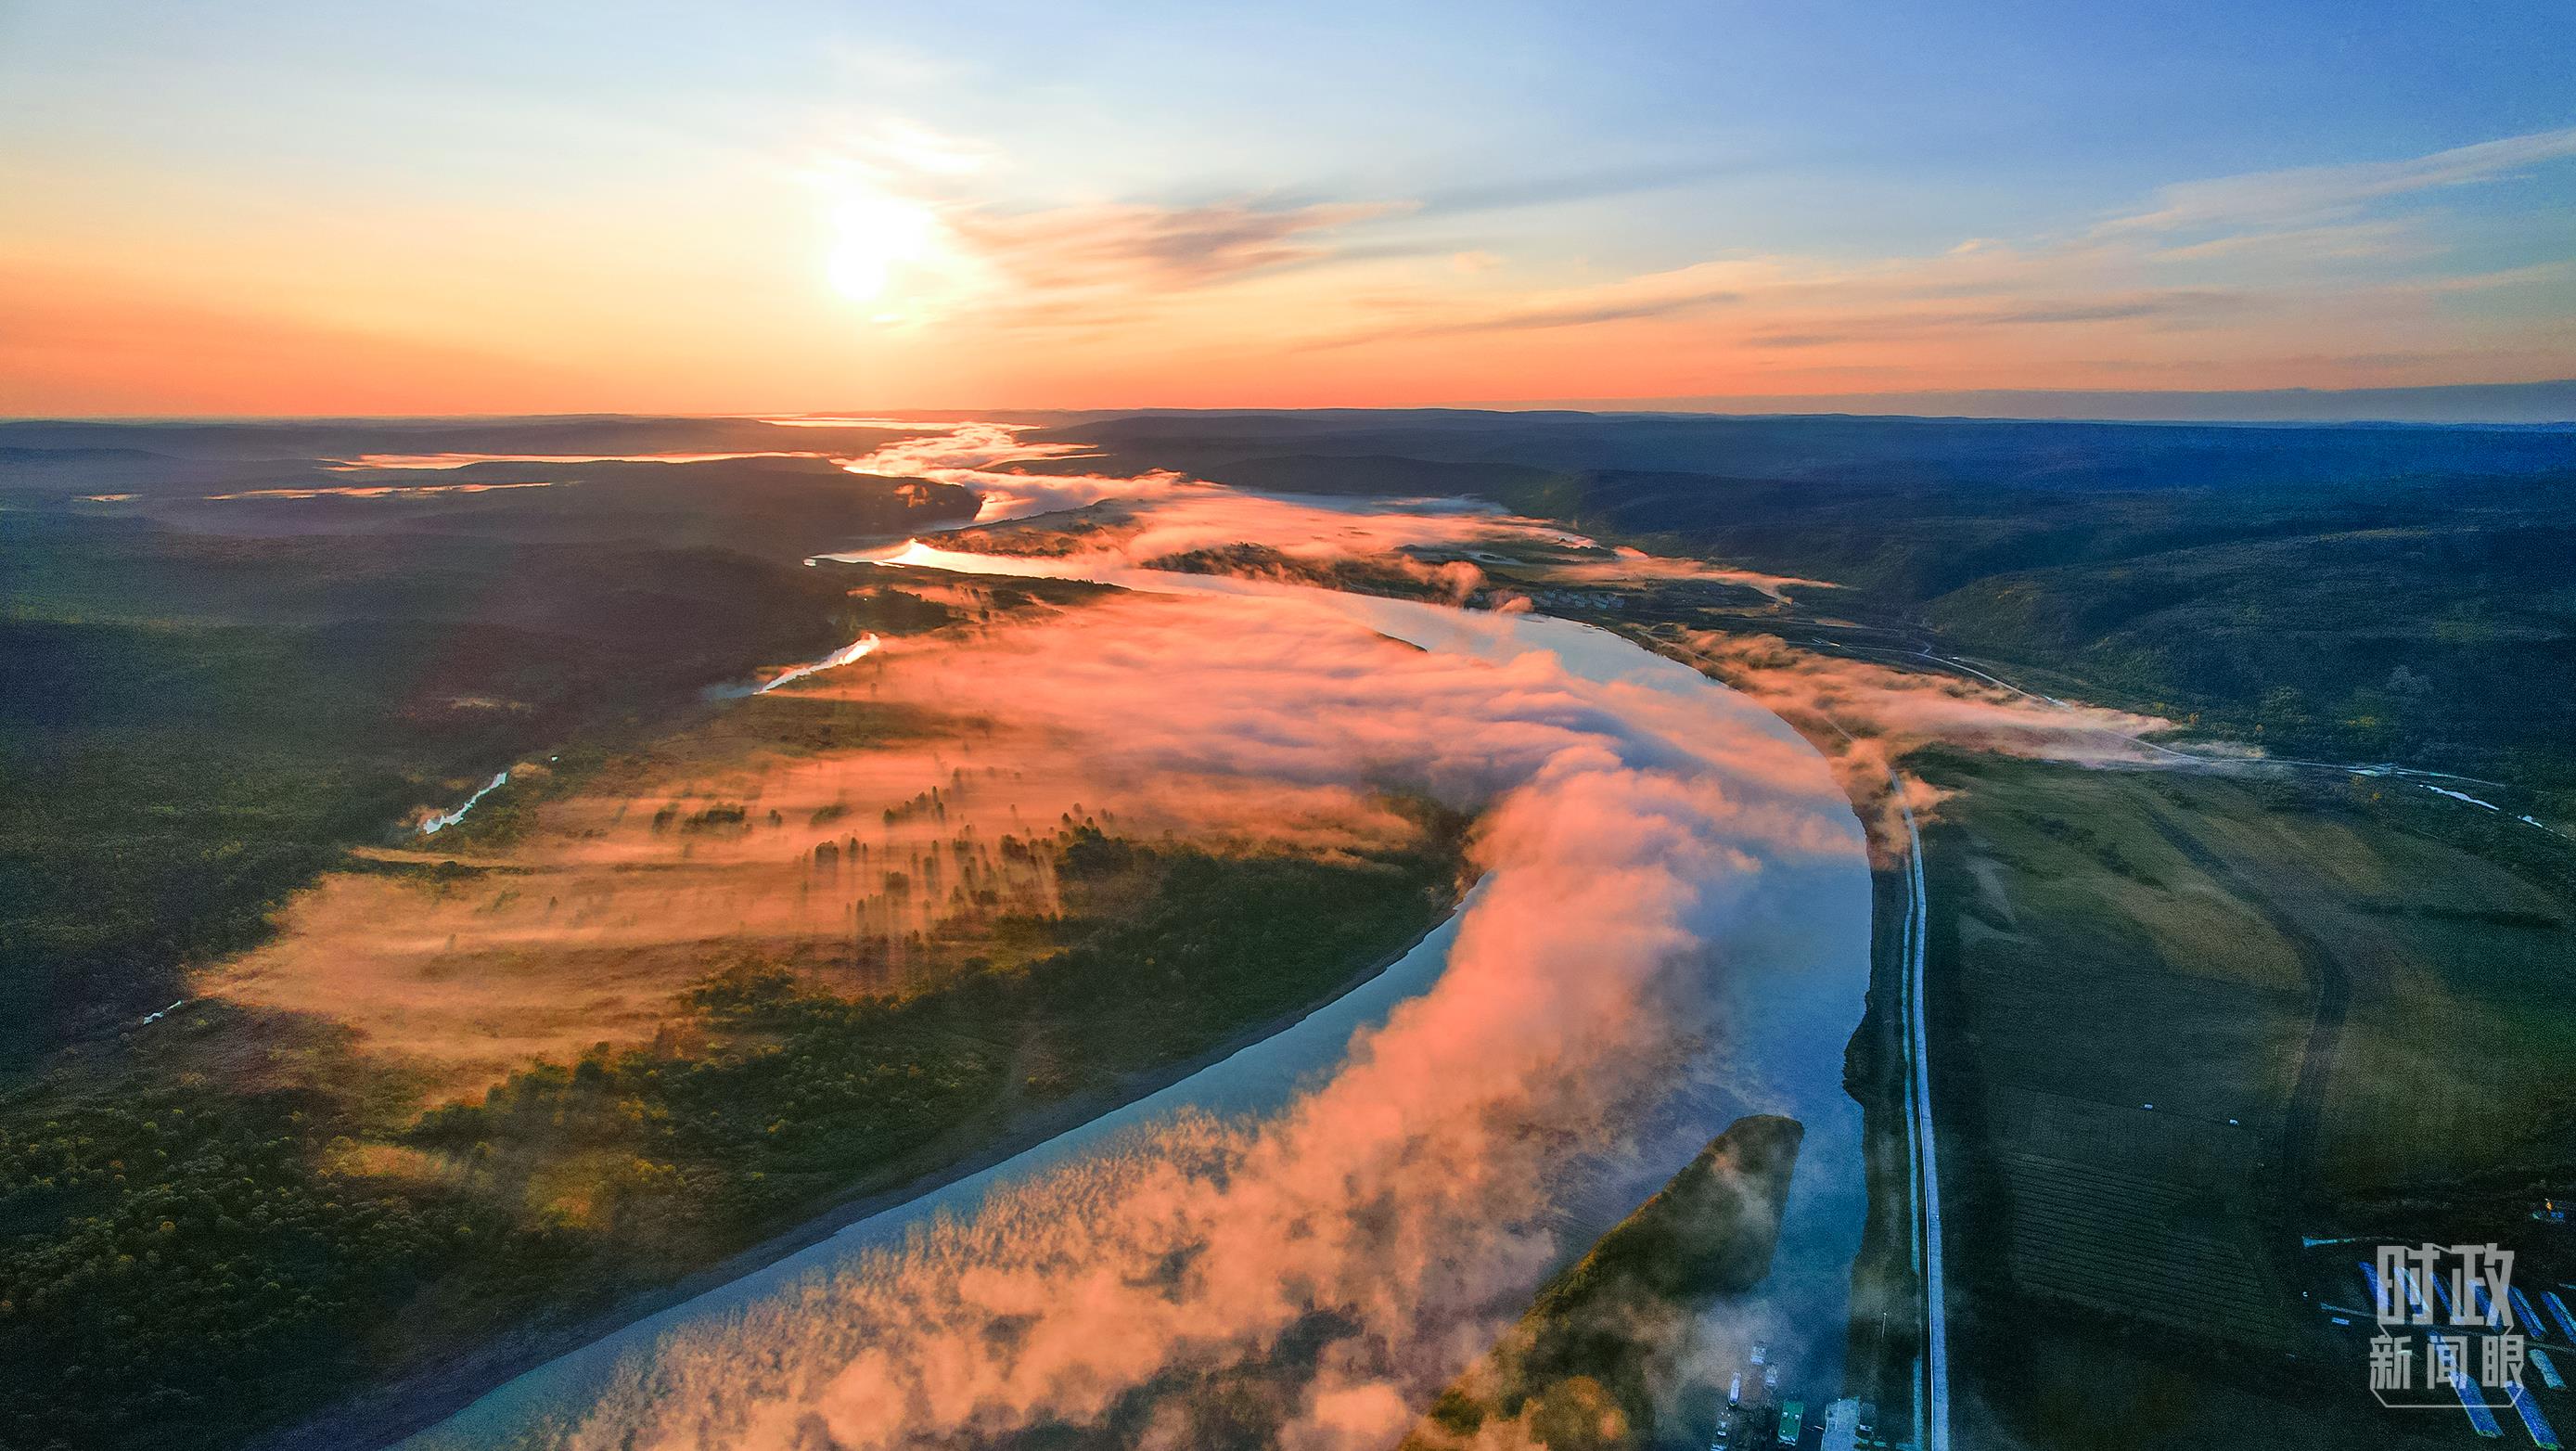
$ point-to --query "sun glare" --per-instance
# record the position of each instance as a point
(873, 237)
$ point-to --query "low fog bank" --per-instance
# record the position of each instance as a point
(1340, 1261)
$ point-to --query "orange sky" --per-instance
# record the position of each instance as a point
(428, 337)
(250, 216)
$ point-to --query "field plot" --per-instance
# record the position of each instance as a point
(2107, 1215)
(2188, 1019)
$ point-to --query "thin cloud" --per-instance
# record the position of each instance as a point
(2200, 279)
(2181, 304)
(2176, 307)
(1139, 247)
(2285, 244)
(2379, 241)
(1574, 187)
(1659, 295)
(2312, 194)
(2502, 277)
(1586, 314)
(919, 218)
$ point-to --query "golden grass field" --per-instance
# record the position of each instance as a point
(853, 826)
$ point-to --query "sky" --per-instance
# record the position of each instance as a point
(271, 208)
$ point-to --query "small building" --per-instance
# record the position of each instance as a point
(1842, 1426)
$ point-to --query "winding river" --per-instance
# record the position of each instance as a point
(1792, 996)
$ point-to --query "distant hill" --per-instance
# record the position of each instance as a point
(2272, 582)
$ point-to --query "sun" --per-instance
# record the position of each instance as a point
(873, 237)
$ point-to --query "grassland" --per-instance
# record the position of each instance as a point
(2182, 1020)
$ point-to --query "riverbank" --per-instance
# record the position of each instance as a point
(1609, 1341)
(423, 1399)
(1791, 988)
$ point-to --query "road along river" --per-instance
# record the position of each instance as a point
(1672, 930)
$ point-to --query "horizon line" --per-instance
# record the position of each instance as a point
(2539, 403)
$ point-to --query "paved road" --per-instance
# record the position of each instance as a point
(1932, 1404)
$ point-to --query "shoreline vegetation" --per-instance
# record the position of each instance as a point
(425, 1397)
(1592, 1364)
(225, 1263)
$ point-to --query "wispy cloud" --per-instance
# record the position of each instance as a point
(929, 219)
(2390, 240)
(1579, 186)
(2306, 196)
(1122, 247)
(1432, 313)
(1787, 303)
(2196, 279)
(2177, 304)
(2205, 276)
(1577, 311)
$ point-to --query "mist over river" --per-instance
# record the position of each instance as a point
(1671, 930)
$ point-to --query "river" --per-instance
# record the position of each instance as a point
(1792, 995)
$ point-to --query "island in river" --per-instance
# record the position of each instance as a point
(1607, 1356)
